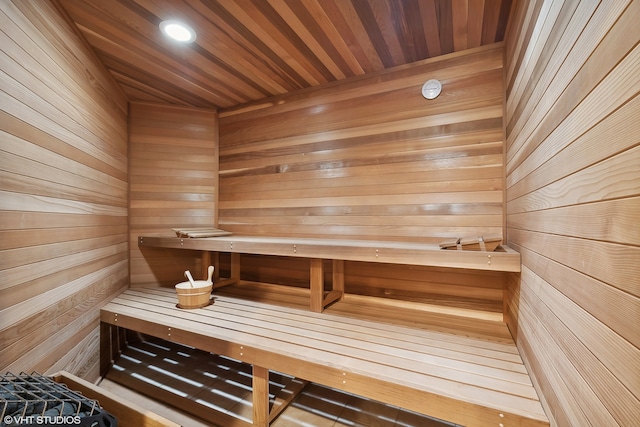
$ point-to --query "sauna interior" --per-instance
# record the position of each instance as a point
(300, 127)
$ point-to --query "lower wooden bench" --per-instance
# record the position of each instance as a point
(469, 380)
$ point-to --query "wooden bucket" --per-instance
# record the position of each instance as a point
(194, 296)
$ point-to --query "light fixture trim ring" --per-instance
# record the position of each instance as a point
(178, 31)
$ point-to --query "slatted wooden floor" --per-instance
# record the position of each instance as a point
(468, 380)
(177, 382)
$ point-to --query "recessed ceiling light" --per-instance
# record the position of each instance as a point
(178, 31)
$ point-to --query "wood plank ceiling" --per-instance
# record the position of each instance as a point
(247, 50)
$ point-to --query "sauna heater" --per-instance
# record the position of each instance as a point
(37, 400)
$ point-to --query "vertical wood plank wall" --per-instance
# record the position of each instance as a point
(370, 158)
(63, 193)
(573, 205)
(173, 162)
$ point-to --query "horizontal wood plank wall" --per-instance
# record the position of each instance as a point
(475, 292)
(573, 205)
(173, 162)
(63, 193)
(370, 158)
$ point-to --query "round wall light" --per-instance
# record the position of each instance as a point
(431, 89)
(178, 31)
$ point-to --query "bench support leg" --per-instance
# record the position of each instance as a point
(235, 269)
(260, 396)
(318, 299)
(317, 285)
(285, 396)
(235, 266)
(338, 276)
(205, 263)
(215, 261)
(107, 354)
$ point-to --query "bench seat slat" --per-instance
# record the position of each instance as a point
(411, 253)
(368, 332)
(459, 343)
(485, 330)
(463, 344)
(236, 330)
(360, 345)
(403, 342)
(439, 386)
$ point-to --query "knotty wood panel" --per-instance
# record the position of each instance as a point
(173, 160)
(573, 183)
(63, 192)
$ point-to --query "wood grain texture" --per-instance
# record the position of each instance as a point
(406, 253)
(468, 282)
(173, 158)
(572, 205)
(371, 159)
(250, 50)
(63, 192)
(409, 366)
(128, 413)
(260, 392)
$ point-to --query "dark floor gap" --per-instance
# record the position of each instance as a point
(185, 377)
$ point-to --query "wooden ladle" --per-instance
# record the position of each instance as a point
(209, 274)
(190, 278)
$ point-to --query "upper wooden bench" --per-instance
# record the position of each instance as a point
(410, 253)
(337, 250)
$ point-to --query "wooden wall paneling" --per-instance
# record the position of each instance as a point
(586, 150)
(270, 269)
(40, 315)
(458, 66)
(611, 219)
(566, 402)
(599, 105)
(589, 321)
(354, 161)
(553, 17)
(370, 158)
(584, 61)
(173, 183)
(63, 186)
(51, 66)
(471, 290)
(548, 395)
(621, 305)
(572, 192)
(63, 203)
(89, 345)
(573, 16)
(511, 307)
(26, 279)
(524, 16)
(578, 364)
